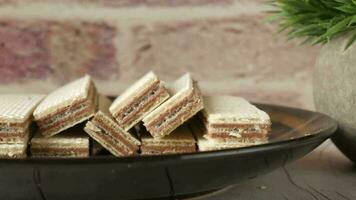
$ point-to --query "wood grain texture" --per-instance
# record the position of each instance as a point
(325, 174)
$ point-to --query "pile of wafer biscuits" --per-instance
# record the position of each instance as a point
(151, 117)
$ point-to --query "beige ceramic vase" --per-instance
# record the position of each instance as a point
(335, 91)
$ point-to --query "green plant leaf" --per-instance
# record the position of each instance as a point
(351, 41)
(318, 21)
(347, 8)
(338, 27)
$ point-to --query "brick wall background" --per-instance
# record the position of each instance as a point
(226, 45)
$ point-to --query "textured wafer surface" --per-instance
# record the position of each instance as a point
(177, 89)
(14, 138)
(131, 92)
(68, 144)
(185, 103)
(65, 139)
(208, 144)
(13, 150)
(65, 96)
(77, 111)
(180, 136)
(211, 145)
(138, 100)
(232, 110)
(18, 108)
(180, 140)
(104, 129)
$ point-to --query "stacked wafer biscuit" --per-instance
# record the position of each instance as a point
(67, 106)
(162, 109)
(15, 123)
(58, 114)
(149, 118)
(230, 122)
(185, 102)
(70, 143)
(103, 128)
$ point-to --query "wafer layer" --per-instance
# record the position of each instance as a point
(226, 116)
(67, 145)
(16, 109)
(104, 129)
(211, 145)
(13, 150)
(15, 128)
(207, 142)
(11, 137)
(16, 116)
(180, 140)
(185, 102)
(66, 107)
(138, 100)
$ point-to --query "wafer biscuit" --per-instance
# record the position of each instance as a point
(16, 116)
(227, 117)
(180, 140)
(105, 130)
(208, 144)
(13, 150)
(67, 106)
(138, 100)
(69, 144)
(185, 102)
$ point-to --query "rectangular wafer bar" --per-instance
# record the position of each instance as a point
(16, 116)
(138, 100)
(209, 144)
(180, 140)
(69, 144)
(105, 130)
(186, 100)
(67, 106)
(228, 118)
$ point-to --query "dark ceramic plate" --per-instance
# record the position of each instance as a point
(294, 133)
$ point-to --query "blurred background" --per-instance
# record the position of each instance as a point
(225, 44)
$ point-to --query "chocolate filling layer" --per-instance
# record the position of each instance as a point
(113, 133)
(127, 111)
(53, 118)
(14, 124)
(115, 147)
(13, 135)
(72, 118)
(176, 115)
(139, 109)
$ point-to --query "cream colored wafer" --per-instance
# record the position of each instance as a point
(138, 100)
(205, 143)
(105, 130)
(234, 116)
(18, 108)
(186, 100)
(180, 140)
(71, 143)
(70, 93)
(17, 150)
(67, 106)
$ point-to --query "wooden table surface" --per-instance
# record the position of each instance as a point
(323, 174)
